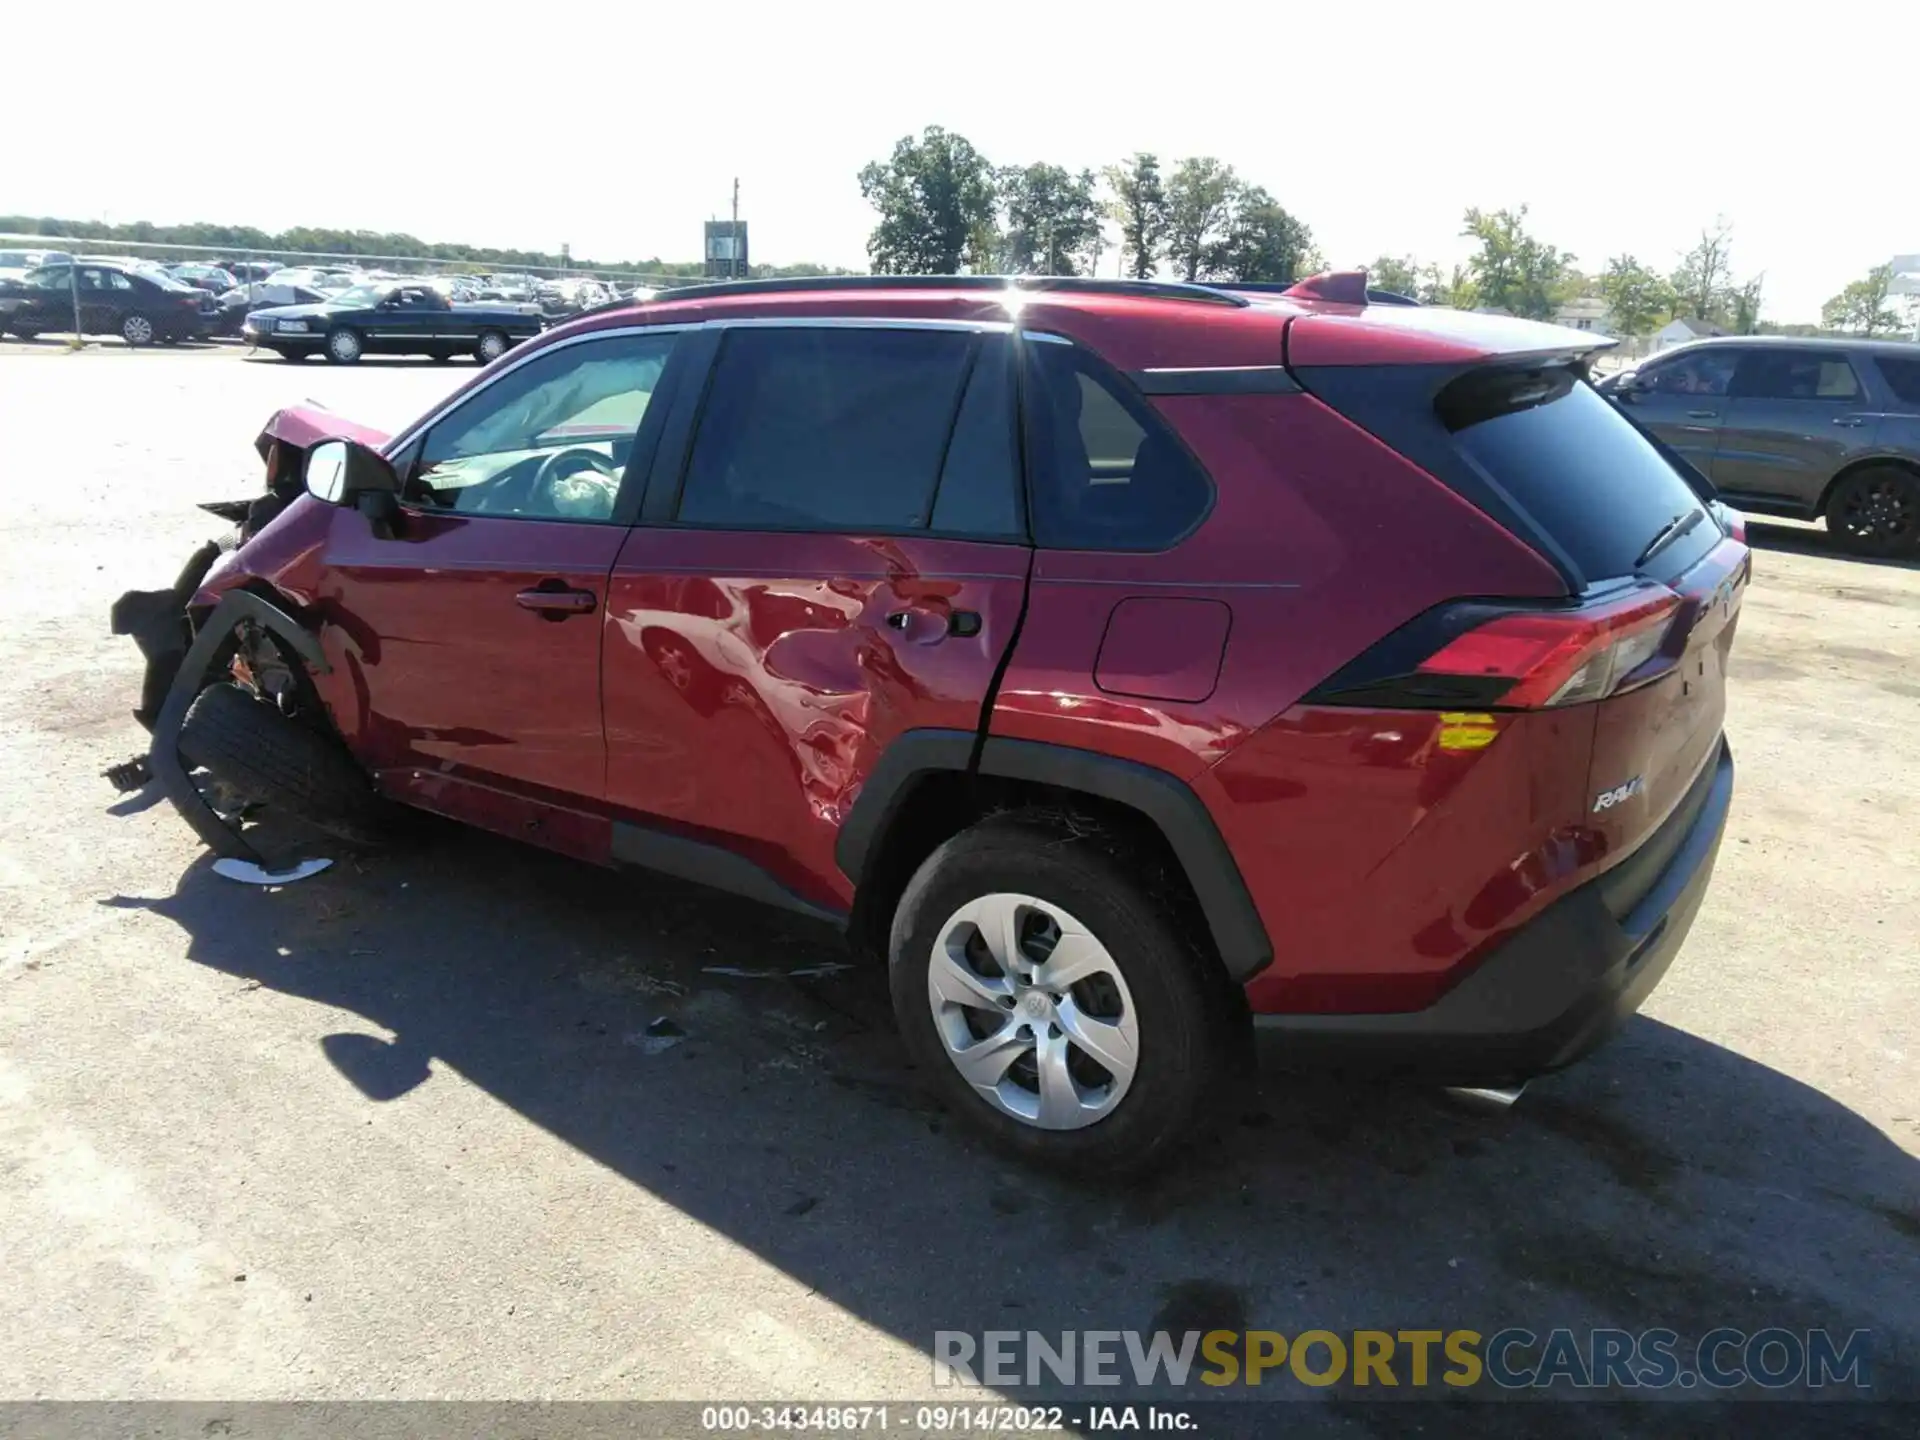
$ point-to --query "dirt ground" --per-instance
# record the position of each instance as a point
(398, 1131)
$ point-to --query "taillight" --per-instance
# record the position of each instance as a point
(1561, 658)
(1485, 656)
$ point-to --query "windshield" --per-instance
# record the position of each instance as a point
(362, 295)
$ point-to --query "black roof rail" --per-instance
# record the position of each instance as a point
(1375, 295)
(1066, 284)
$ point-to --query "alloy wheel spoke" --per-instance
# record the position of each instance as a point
(984, 1063)
(1059, 1096)
(1077, 957)
(998, 919)
(1109, 1042)
(956, 984)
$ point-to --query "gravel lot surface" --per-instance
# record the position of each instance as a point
(395, 1131)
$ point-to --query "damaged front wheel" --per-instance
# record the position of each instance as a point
(256, 756)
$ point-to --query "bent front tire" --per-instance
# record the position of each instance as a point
(260, 756)
(1054, 1003)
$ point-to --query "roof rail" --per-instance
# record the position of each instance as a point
(1066, 284)
(1375, 295)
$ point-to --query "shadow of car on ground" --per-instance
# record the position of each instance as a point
(1665, 1182)
(1814, 540)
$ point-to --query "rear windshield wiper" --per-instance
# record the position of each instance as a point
(1671, 531)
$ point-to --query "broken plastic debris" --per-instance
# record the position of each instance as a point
(247, 873)
(805, 972)
(661, 1035)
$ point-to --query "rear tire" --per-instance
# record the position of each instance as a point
(344, 347)
(25, 332)
(1152, 999)
(1876, 511)
(137, 330)
(491, 346)
(266, 758)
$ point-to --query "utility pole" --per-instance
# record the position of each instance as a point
(733, 232)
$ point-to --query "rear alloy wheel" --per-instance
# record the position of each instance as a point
(492, 345)
(1053, 1002)
(1876, 511)
(136, 330)
(344, 347)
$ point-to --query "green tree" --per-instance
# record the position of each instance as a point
(1400, 274)
(1139, 208)
(1746, 306)
(1259, 241)
(1703, 283)
(1863, 307)
(1512, 270)
(1052, 219)
(1200, 202)
(935, 196)
(1454, 289)
(1638, 299)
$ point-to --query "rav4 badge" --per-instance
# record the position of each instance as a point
(1607, 799)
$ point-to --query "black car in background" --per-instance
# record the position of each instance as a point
(1809, 429)
(140, 306)
(394, 318)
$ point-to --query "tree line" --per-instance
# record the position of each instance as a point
(945, 208)
(235, 240)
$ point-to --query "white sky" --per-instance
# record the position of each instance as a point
(618, 127)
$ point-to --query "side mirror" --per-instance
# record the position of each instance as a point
(341, 471)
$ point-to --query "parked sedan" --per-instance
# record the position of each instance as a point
(137, 305)
(390, 318)
(1811, 429)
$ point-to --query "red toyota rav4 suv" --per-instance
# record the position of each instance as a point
(1138, 667)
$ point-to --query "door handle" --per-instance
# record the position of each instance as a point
(925, 626)
(1701, 414)
(556, 602)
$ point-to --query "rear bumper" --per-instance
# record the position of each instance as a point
(1547, 995)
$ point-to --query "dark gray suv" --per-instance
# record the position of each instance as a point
(1802, 428)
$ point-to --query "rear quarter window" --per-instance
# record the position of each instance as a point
(1582, 471)
(1902, 376)
(1539, 451)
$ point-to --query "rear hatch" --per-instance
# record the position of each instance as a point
(1654, 579)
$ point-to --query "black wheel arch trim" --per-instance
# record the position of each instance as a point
(1168, 802)
(163, 756)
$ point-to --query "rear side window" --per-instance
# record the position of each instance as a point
(1540, 452)
(1566, 457)
(1795, 375)
(1107, 472)
(1704, 372)
(980, 481)
(826, 428)
(1902, 377)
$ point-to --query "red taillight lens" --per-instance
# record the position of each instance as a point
(1561, 657)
